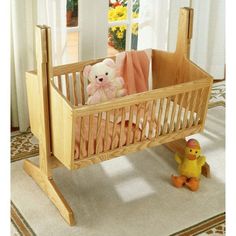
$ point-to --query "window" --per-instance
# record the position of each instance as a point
(123, 16)
(72, 42)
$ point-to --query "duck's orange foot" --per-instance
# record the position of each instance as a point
(178, 181)
(193, 184)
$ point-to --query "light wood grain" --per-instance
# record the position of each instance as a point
(99, 129)
(67, 87)
(75, 98)
(122, 127)
(107, 127)
(159, 121)
(135, 147)
(90, 136)
(172, 119)
(131, 115)
(82, 94)
(165, 125)
(146, 108)
(52, 191)
(33, 102)
(44, 115)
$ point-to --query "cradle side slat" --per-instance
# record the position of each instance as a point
(114, 131)
(200, 100)
(193, 107)
(136, 138)
(131, 115)
(90, 137)
(74, 89)
(122, 127)
(146, 105)
(99, 128)
(172, 120)
(165, 124)
(82, 138)
(82, 94)
(154, 102)
(180, 112)
(67, 87)
(185, 119)
(107, 126)
(159, 129)
(59, 83)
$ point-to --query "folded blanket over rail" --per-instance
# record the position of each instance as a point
(133, 66)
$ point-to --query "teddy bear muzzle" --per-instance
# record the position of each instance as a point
(101, 79)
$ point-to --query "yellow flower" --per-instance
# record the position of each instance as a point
(119, 35)
(135, 29)
(135, 15)
(113, 29)
(122, 28)
(117, 13)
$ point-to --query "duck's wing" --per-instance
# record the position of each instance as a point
(178, 158)
(201, 160)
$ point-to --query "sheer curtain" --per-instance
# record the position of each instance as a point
(153, 26)
(208, 43)
(23, 19)
(159, 24)
(25, 15)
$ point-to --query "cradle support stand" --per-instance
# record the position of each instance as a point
(170, 71)
(42, 174)
(183, 50)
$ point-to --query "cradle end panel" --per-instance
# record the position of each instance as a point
(61, 115)
(33, 101)
(163, 69)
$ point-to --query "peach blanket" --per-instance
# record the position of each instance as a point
(133, 66)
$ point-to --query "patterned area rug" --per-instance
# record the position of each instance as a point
(23, 145)
(26, 145)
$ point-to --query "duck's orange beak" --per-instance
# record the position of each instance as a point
(191, 157)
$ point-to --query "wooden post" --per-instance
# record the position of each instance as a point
(42, 174)
(185, 29)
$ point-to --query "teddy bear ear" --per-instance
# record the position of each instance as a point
(109, 62)
(87, 70)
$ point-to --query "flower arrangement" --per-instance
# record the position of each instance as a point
(117, 34)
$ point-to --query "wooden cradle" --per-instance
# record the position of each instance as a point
(177, 104)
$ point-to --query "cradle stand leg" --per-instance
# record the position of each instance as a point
(178, 146)
(48, 185)
(42, 174)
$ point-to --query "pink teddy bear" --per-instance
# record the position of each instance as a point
(104, 84)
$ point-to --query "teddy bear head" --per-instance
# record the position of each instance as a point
(101, 72)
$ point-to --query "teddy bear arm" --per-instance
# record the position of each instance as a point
(120, 82)
(90, 89)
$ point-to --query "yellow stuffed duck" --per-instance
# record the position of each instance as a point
(190, 166)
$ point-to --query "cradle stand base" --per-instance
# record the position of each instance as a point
(50, 188)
